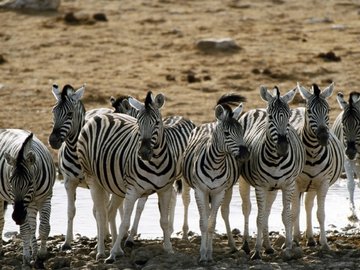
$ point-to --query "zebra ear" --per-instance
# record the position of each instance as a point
(341, 101)
(289, 96)
(56, 91)
(327, 92)
(306, 94)
(264, 93)
(79, 93)
(159, 100)
(220, 113)
(237, 111)
(137, 105)
(9, 159)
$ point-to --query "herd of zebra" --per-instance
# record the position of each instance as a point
(129, 152)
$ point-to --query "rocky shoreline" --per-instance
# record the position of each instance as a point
(148, 254)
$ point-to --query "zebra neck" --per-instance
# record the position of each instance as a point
(213, 156)
(78, 123)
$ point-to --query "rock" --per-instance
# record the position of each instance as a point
(217, 45)
(329, 57)
(100, 17)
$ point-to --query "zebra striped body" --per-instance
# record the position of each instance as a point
(69, 117)
(131, 158)
(324, 159)
(27, 176)
(276, 159)
(121, 105)
(347, 129)
(211, 168)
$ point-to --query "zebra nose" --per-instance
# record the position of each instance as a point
(19, 214)
(55, 141)
(351, 150)
(322, 135)
(243, 154)
(282, 145)
(145, 151)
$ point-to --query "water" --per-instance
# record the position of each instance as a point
(84, 223)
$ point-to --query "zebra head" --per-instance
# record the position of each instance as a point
(66, 112)
(279, 112)
(150, 123)
(317, 111)
(21, 179)
(122, 105)
(351, 123)
(229, 134)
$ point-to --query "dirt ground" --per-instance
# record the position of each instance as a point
(130, 47)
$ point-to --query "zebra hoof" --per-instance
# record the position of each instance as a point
(66, 246)
(245, 247)
(256, 256)
(311, 242)
(109, 260)
(39, 264)
(129, 244)
(269, 250)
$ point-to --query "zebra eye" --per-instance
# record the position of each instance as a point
(226, 133)
(69, 114)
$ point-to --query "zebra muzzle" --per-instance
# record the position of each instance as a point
(322, 135)
(19, 214)
(282, 145)
(145, 150)
(350, 150)
(55, 141)
(243, 154)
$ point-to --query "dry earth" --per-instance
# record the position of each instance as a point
(130, 47)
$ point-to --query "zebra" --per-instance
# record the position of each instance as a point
(324, 159)
(121, 105)
(69, 117)
(211, 168)
(131, 158)
(346, 128)
(27, 177)
(276, 159)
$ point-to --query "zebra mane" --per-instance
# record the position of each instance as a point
(353, 98)
(65, 90)
(116, 102)
(21, 153)
(277, 91)
(229, 99)
(317, 90)
(148, 99)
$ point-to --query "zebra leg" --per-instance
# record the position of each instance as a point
(309, 203)
(172, 210)
(202, 201)
(295, 211)
(70, 187)
(2, 222)
(270, 198)
(185, 195)
(139, 209)
(99, 198)
(25, 233)
(244, 189)
(216, 201)
(130, 199)
(115, 203)
(225, 209)
(44, 227)
(261, 203)
(164, 202)
(349, 166)
(321, 196)
(286, 214)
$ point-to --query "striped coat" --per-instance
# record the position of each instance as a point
(27, 176)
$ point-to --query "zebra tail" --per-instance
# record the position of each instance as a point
(178, 186)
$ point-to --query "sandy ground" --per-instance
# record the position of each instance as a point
(150, 45)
